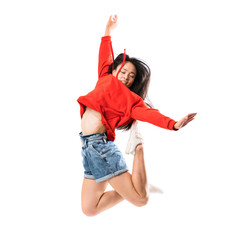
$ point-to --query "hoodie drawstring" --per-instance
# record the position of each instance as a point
(124, 57)
(112, 56)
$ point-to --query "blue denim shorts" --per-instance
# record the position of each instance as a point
(101, 158)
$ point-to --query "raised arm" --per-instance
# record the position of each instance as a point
(111, 24)
(105, 52)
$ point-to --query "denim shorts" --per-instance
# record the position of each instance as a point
(101, 158)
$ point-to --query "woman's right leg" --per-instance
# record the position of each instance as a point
(95, 199)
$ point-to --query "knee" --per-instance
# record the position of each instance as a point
(139, 148)
(89, 212)
(141, 201)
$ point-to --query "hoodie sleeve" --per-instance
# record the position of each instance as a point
(143, 113)
(105, 57)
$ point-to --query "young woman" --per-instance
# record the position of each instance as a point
(116, 102)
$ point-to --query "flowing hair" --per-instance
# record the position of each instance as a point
(141, 82)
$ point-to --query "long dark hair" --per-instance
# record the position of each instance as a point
(141, 82)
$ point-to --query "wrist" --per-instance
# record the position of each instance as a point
(107, 31)
(175, 127)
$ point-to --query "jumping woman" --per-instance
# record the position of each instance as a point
(117, 101)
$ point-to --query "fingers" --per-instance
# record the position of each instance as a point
(183, 122)
(112, 22)
(191, 115)
(186, 122)
(113, 18)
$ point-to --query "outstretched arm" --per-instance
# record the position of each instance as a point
(111, 24)
(184, 121)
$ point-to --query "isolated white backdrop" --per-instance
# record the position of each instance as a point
(48, 58)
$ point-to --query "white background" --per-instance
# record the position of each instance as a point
(48, 58)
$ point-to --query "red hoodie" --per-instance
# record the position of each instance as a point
(117, 104)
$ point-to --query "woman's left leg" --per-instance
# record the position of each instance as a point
(133, 187)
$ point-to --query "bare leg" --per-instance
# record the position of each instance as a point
(139, 175)
(95, 200)
(130, 187)
(133, 187)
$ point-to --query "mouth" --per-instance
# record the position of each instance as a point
(124, 82)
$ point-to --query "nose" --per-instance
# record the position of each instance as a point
(125, 76)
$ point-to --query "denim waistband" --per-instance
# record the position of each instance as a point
(92, 138)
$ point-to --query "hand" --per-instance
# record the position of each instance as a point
(183, 122)
(111, 24)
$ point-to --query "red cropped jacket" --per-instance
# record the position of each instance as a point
(117, 104)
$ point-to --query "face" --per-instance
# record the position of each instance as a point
(127, 74)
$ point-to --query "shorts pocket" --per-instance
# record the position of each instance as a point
(96, 148)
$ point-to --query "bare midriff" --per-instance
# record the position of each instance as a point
(91, 122)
